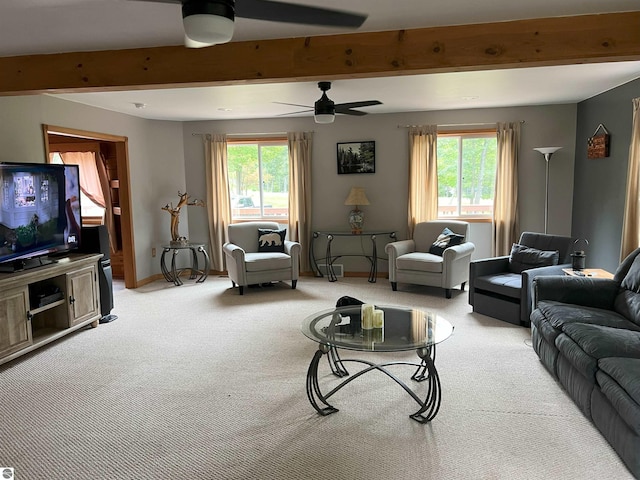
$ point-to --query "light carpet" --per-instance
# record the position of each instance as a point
(198, 382)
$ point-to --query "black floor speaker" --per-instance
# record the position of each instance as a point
(95, 239)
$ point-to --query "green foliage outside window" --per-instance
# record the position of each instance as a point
(466, 174)
(260, 173)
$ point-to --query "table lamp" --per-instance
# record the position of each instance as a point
(356, 216)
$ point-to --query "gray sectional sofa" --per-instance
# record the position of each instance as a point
(586, 331)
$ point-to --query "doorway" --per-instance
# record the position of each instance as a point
(114, 152)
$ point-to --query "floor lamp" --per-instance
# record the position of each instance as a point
(547, 152)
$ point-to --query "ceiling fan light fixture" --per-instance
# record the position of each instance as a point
(324, 109)
(208, 22)
(189, 43)
(207, 30)
(324, 118)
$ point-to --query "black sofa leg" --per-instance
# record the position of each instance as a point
(293, 284)
(462, 286)
(394, 286)
(447, 292)
(241, 289)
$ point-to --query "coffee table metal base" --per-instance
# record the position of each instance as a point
(425, 371)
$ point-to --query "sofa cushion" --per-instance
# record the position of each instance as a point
(271, 240)
(627, 302)
(258, 262)
(445, 240)
(573, 354)
(619, 381)
(508, 284)
(626, 372)
(601, 342)
(559, 314)
(424, 262)
(524, 258)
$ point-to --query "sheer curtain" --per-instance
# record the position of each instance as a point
(218, 203)
(299, 144)
(94, 183)
(505, 203)
(631, 222)
(423, 175)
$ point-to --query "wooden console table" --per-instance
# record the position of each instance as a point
(330, 258)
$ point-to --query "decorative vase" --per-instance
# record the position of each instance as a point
(356, 220)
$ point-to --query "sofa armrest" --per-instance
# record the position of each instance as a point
(585, 291)
(526, 293)
(394, 250)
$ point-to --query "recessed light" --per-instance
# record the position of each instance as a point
(139, 105)
(222, 109)
(470, 97)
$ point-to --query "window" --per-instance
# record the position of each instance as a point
(258, 179)
(466, 174)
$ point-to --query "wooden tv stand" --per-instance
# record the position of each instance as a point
(40, 305)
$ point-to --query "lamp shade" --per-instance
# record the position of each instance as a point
(547, 150)
(357, 197)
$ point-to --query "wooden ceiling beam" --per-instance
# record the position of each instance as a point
(522, 43)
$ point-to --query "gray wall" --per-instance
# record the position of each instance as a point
(156, 159)
(600, 183)
(387, 188)
(165, 157)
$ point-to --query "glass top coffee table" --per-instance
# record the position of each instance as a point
(404, 329)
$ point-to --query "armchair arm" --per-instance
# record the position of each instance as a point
(455, 264)
(488, 266)
(235, 263)
(458, 251)
(588, 292)
(394, 250)
(485, 266)
(293, 249)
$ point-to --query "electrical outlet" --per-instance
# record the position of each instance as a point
(153, 251)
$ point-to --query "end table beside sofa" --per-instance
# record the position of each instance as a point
(586, 332)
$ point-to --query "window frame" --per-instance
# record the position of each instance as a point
(259, 141)
(483, 133)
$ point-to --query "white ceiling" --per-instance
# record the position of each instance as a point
(51, 26)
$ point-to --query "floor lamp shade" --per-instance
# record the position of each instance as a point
(547, 152)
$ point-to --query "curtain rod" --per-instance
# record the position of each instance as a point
(457, 124)
(264, 134)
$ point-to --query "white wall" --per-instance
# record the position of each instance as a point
(387, 188)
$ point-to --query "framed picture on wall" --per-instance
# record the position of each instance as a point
(357, 157)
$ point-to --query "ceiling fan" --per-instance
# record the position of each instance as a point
(324, 109)
(210, 22)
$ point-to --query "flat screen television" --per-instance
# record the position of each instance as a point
(39, 213)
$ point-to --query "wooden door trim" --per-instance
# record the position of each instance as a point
(126, 219)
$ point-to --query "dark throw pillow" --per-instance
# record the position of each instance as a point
(271, 240)
(445, 240)
(524, 258)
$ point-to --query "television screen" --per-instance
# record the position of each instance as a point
(72, 206)
(35, 217)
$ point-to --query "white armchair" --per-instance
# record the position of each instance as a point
(411, 262)
(247, 265)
